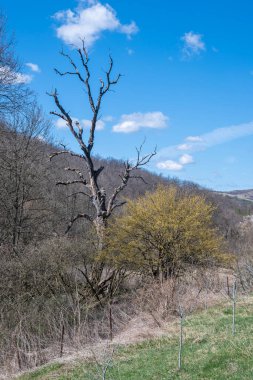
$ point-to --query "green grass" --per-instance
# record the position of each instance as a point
(42, 373)
(209, 352)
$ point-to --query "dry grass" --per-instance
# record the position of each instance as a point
(140, 315)
(209, 352)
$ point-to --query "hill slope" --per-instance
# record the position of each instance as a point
(209, 352)
(246, 195)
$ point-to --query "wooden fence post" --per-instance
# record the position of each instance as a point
(181, 316)
(62, 339)
(234, 306)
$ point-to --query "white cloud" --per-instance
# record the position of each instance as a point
(189, 139)
(7, 76)
(184, 147)
(222, 135)
(207, 140)
(60, 123)
(62, 15)
(169, 165)
(134, 121)
(89, 2)
(85, 123)
(129, 29)
(193, 138)
(100, 125)
(22, 78)
(186, 159)
(33, 66)
(89, 22)
(193, 44)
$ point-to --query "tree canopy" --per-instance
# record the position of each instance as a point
(164, 232)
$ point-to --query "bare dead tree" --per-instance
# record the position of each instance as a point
(22, 177)
(103, 203)
(181, 316)
(13, 93)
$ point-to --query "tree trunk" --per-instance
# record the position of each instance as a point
(100, 225)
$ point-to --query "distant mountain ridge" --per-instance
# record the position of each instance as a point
(246, 195)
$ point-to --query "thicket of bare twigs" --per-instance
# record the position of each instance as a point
(47, 309)
(47, 306)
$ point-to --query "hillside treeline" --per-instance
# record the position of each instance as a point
(48, 288)
(35, 206)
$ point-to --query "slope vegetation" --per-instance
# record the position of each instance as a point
(210, 351)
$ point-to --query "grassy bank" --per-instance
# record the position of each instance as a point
(209, 352)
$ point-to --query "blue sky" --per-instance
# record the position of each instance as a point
(187, 84)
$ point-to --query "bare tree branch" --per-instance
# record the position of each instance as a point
(116, 205)
(139, 177)
(103, 90)
(78, 216)
(79, 192)
(71, 182)
(73, 65)
(98, 171)
(65, 152)
(89, 282)
(108, 77)
(64, 115)
(141, 161)
(85, 60)
(78, 172)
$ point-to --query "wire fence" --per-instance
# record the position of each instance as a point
(225, 320)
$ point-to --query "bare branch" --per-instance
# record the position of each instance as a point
(65, 152)
(141, 161)
(118, 205)
(78, 216)
(65, 116)
(90, 284)
(80, 129)
(71, 182)
(78, 172)
(85, 59)
(73, 65)
(79, 192)
(117, 190)
(98, 171)
(108, 78)
(64, 73)
(139, 177)
(59, 115)
(103, 90)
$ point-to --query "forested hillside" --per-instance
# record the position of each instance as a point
(35, 206)
(45, 267)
